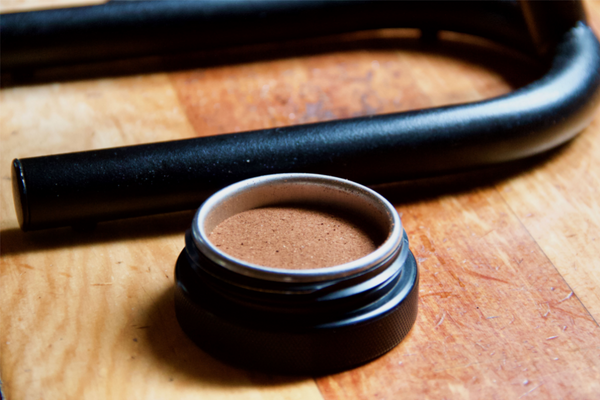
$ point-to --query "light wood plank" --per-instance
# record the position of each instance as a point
(7, 6)
(559, 205)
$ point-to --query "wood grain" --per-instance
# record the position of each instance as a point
(496, 320)
(509, 298)
(7, 6)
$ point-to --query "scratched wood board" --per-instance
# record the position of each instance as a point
(508, 259)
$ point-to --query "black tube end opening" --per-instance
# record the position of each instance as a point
(20, 194)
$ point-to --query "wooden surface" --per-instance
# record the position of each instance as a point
(509, 259)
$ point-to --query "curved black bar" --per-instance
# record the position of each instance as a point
(136, 28)
(122, 182)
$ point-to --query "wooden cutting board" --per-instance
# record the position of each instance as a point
(509, 259)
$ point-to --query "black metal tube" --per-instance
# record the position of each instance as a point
(107, 184)
(121, 182)
(120, 29)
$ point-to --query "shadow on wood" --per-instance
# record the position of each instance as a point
(175, 351)
(15, 241)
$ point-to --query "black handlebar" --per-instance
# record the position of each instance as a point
(139, 180)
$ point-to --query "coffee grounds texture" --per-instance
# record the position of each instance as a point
(293, 237)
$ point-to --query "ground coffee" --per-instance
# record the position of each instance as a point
(292, 237)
